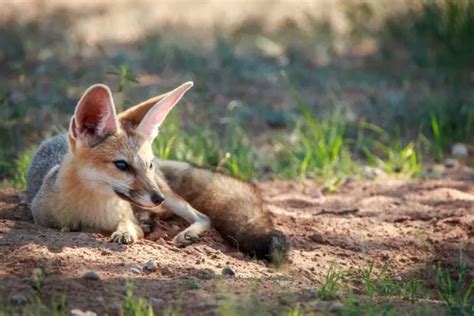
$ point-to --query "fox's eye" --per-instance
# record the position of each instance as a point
(151, 165)
(121, 164)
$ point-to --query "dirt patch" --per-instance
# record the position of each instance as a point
(405, 226)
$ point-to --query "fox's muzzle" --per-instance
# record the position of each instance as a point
(154, 199)
(157, 198)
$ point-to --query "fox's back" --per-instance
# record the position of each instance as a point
(50, 153)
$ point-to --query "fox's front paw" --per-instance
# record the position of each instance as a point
(123, 237)
(185, 238)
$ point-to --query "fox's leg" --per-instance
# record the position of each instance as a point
(127, 232)
(199, 222)
(177, 205)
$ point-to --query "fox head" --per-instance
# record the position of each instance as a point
(114, 152)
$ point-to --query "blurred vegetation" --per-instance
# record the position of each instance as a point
(439, 34)
(391, 92)
(378, 293)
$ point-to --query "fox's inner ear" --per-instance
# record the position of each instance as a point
(95, 114)
(134, 115)
(153, 119)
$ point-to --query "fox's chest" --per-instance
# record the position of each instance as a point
(98, 216)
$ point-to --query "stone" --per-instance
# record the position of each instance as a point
(78, 312)
(151, 265)
(459, 151)
(91, 275)
(335, 307)
(228, 271)
(451, 163)
(137, 269)
(318, 238)
(18, 299)
(57, 262)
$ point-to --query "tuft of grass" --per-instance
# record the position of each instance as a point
(296, 311)
(56, 307)
(368, 282)
(411, 289)
(318, 148)
(439, 139)
(354, 307)
(20, 169)
(202, 147)
(126, 78)
(38, 279)
(240, 156)
(331, 284)
(436, 32)
(457, 293)
(199, 147)
(388, 153)
(191, 284)
(253, 306)
(133, 306)
(380, 283)
(172, 310)
(450, 122)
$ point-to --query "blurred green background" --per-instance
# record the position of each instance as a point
(283, 89)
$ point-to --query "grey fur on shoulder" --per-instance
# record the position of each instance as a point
(51, 152)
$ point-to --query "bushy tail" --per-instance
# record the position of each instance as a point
(270, 245)
(234, 207)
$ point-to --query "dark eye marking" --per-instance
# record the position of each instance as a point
(151, 165)
(121, 165)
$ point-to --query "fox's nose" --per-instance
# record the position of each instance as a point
(157, 198)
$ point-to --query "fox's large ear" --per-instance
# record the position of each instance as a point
(136, 113)
(95, 114)
(156, 112)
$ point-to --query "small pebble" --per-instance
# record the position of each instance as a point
(205, 274)
(450, 163)
(57, 262)
(116, 308)
(459, 150)
(397, 278)
(91, 275)
(228, 271)
(18, 299)
(151, 265)
(136, 269)
(318, 238)
(156, 301)
(83, 236)
(335, 307)
(372, 172)
(78, 312)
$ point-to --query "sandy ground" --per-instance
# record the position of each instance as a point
(407, 226)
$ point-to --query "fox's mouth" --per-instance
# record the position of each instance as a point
(127, 198)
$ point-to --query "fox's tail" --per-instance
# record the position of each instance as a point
(234, 207)
(271, 245)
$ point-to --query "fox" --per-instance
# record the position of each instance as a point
(102, 174)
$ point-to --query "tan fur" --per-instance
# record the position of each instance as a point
(83, 204)
(89, 192)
